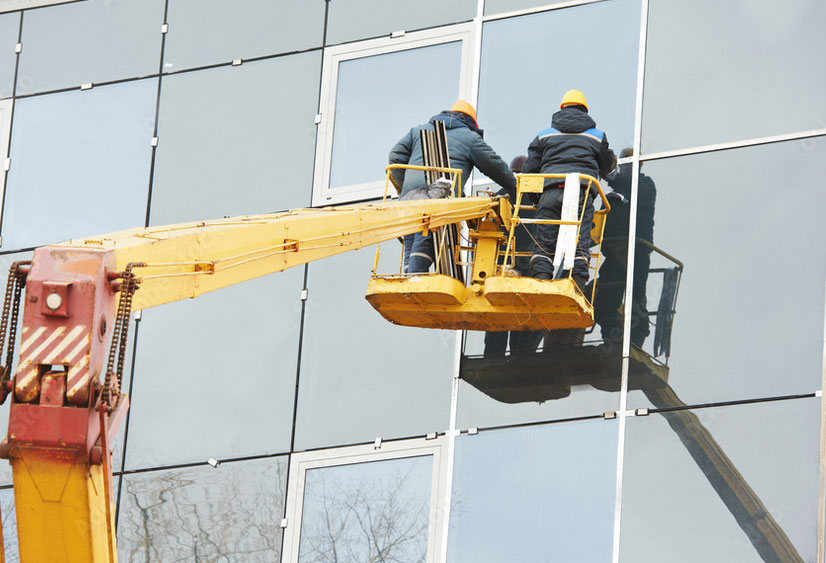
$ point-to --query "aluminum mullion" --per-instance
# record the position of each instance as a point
(629, 279)
(821, 513)
(539, 9)
(735, 144)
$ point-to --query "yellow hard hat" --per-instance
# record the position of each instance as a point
(464, 107)
(573, 97)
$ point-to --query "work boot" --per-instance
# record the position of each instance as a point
(543, 276)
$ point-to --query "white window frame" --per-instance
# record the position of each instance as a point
(300, 463)
(333, 56)
(6, 109)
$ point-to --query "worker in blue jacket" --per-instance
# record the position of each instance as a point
(571, 144)
(466, 148)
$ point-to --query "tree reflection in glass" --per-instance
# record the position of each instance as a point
(367, 512)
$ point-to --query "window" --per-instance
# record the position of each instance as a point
(5, 130)
(373, 93)
(365, 501)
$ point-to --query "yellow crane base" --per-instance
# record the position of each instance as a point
(499, 303)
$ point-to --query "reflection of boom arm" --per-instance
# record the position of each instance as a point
(62, 418)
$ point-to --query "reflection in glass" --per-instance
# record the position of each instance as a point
(749, 318)
(731, 475)
(80, 163)
(220, 371)
(9, 517)
(704, 47)
(93, 41)
(203, 32)
(379, 380)
(376, 511)
(236, 140)
(369, 87)
(9, 28)
(536, 494)
(229, 513)
(360, 19)
(525, 71)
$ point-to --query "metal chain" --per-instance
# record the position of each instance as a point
(9, 321)
(120, 335)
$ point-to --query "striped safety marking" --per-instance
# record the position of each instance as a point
(49, 346)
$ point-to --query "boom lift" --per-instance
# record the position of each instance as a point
(66, 403)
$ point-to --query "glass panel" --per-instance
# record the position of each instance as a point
(385, 380)
(702, 85)
(9, 28)
(368, 87)
(520, 90)
(743, 479)
(80, 164)
(744, 228)
(536, 494)
(215, 377)
(94, 41)
(375, 511)
(360, 19)
(7, 512)
(236, 140)
(203, 32)
(230, 513)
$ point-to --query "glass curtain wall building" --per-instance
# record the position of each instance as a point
(687, 425)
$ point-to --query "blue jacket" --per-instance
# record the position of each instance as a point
(572, 144)
(465, 146)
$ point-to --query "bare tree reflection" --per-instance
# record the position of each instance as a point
(205, 515)
(366, 520)
(9, 517)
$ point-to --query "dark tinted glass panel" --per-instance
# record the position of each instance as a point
(523, 75)
(203, 32)
(361, 377)
(360, 19)
(749, 303)
(229, 513)
(721, 71)
(80, 164)
(367, 512)
(535, 494)
(236, 140)
(742, 479)
(94, 41)
(215, 376)
(9, 27)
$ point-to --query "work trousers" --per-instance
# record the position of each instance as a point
(418, 253)
(544, 249)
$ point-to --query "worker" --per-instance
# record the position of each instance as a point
(521, 341)
(466, 149)
(612, 273)
(572, 144)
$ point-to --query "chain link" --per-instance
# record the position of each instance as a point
(9, 321)
(120, 337)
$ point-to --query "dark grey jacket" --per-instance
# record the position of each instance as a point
(465, 146)
(571, 144)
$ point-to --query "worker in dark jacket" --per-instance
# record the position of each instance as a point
(571, 144)
(612, 273)
(466, 148)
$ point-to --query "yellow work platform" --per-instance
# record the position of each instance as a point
(496, 304)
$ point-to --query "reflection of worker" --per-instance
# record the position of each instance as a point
(526, 341)
(571, 144)
(612, 273)
(467, 149)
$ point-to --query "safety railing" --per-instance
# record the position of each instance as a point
(535, 184)
(444, 248)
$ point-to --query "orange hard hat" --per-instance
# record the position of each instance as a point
(573, 98)
(464, 107)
